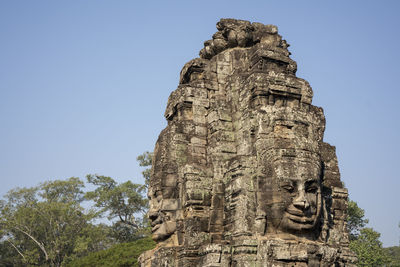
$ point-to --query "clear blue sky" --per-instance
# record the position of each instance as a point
(84, 85)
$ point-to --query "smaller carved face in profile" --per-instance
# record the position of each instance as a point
(162, 215)
(294, 202)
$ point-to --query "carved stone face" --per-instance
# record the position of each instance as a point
(162, 215)
(294, 200)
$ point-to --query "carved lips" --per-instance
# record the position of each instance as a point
(299, 216)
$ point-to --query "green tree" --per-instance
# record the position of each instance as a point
(364, 241)
(369, 249)
(124, 202)
(355, 219)
(8, 255)
(125, 254)
(394, 255)
(47, 226)
(145, 160)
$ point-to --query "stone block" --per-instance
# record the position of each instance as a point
(241, 174)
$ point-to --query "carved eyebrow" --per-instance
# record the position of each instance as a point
(311, 182)
(287, 181)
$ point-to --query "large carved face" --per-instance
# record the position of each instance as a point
(163, 191)
(162, 214)
(294, 196)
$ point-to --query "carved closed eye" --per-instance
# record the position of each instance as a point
(312, 189)
(288, 188)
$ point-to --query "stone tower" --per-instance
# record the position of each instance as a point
(241, 175)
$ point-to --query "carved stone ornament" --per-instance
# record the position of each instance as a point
(241, 175)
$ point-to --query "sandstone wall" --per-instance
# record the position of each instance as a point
(241, 175)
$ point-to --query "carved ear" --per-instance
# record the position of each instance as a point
(260, 224)
(192, 70)
(325, 220)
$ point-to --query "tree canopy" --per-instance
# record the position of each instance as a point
(125, 202)
(145, 160)
(46, 224)
(365, 241)
(124, 254)
(355, 219)
(369, 249)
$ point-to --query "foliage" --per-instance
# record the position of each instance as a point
(355, 220)
(145, 160)
(369, 249)
(124, 254)
(122, 202)
(126, 233)
(8, 256)
(365, 241)
(118, 201)
(394, 255)
(46, 225)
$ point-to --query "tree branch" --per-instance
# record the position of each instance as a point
(34, 240)
(19, 252)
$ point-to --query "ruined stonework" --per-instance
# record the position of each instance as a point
(241, 175)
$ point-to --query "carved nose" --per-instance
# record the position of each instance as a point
(301, 202)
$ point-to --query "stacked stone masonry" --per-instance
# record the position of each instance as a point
(241, 175)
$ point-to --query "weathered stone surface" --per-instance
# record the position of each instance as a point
(241, 175)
